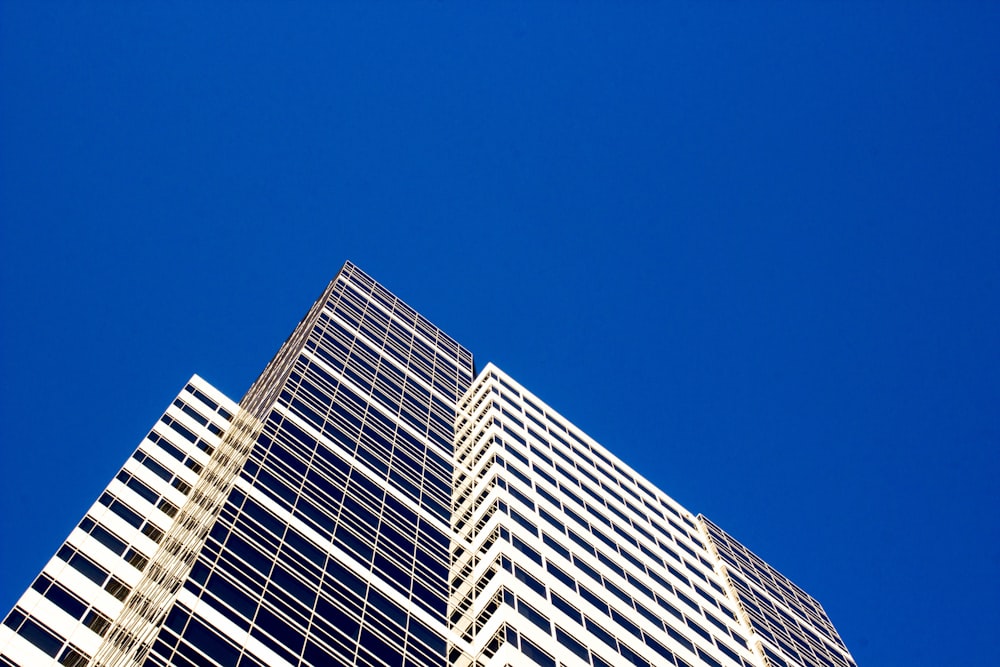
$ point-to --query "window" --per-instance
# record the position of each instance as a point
(534, 616)
(97, 622)
(539, 656)
(572, 644)
(73, 657)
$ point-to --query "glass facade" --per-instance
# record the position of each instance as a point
(792, 627)
(332, 546)
(369, 502)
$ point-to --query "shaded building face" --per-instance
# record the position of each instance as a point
(369, 502)
(332, 546)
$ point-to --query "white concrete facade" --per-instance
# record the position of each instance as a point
(566, 556)
(310, 525)
(79, 592)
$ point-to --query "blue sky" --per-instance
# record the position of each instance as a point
(750, 247)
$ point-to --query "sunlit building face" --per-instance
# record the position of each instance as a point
(372, 501)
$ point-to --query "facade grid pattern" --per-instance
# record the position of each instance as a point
(372, 501)
(537, 501)
(73, 603)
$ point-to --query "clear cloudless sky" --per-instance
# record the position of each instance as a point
(752, 248)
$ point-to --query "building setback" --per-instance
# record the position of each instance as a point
(371, 502)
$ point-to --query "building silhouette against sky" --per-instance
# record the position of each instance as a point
(372, 501)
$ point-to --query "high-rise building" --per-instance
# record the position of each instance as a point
(564, 554)
(371, 502)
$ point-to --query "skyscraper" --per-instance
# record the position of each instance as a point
(564, 554)
(370, 502)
